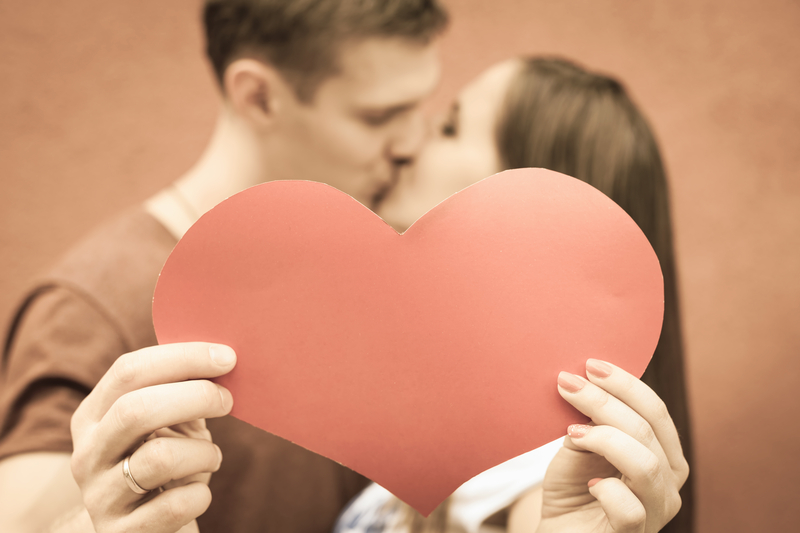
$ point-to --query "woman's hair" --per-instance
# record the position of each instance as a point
(559, 116)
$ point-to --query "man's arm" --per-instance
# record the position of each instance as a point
(157, 392)
(55, 348)
(40, 495)
(36, 488)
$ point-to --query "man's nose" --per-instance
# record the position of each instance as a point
(408, 138)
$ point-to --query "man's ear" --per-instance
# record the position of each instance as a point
(254, 90)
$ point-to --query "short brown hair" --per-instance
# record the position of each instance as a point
(302, 38)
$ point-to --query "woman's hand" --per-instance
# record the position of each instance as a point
(150, 407)
(622, 473)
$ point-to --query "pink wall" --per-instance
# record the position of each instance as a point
(102, 103)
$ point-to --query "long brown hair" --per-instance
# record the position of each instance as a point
(561, 117)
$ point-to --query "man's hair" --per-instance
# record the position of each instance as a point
(303, 38)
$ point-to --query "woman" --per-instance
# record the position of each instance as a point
(552, 114)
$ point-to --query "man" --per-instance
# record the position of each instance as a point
(323, 90)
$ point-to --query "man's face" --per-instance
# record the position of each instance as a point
(361, 121)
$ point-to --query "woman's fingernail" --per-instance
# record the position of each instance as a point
(598, 368)
(594, 481)
(221, 354)
(219, 456)
(570, 382)
(577, 431)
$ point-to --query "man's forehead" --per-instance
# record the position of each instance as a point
(384, 72)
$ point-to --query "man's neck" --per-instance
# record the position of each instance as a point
(229, 164)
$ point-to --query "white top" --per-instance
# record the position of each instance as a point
(470, 505)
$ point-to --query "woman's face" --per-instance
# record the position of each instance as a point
(460, 151)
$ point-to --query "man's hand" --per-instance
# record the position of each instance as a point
(621, 474)
(151, 405)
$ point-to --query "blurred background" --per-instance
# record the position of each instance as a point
(103, 103)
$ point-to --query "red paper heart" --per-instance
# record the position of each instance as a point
(422, 359)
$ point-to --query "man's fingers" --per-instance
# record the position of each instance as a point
(195, 429)
(159, 461)
(137, 414)
(625, 512)
(155, 365)
(646, 403)
(168, 511)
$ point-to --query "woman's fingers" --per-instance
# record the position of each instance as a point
(605, 409)
(150, 366)
(625, 453)
(646, 403)
(649, 479)
(625, 512)
(633, 434)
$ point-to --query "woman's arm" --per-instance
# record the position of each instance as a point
(526, 512)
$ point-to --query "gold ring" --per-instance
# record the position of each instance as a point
(126, 473)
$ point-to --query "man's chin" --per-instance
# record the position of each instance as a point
(379, 197)
(393, 217)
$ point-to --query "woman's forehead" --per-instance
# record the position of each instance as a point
(481, 99)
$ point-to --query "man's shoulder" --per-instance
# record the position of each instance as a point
(125, 245)
(116, 267)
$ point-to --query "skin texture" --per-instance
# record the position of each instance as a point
(42, 487)
(359, 123)
(459, 151)
(152, 402)
(624, 472)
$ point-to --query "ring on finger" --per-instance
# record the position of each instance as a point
(126, 473)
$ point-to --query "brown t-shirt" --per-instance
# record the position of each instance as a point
(95, 306)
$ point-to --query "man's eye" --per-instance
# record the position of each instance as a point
(377, 120)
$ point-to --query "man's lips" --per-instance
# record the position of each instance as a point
(380, 196)
(385, 188)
